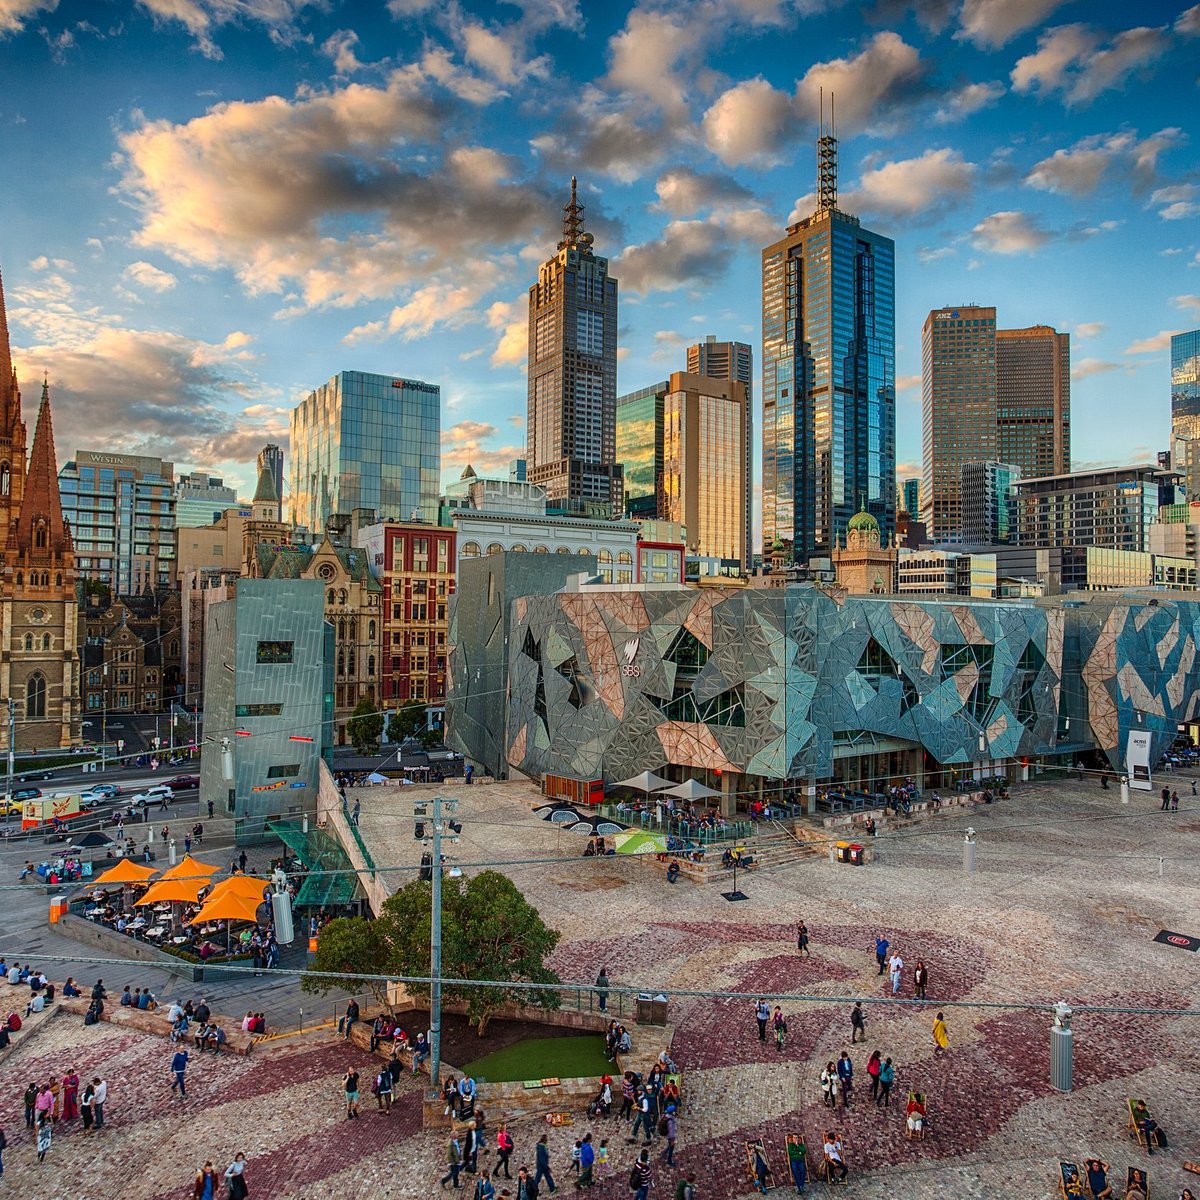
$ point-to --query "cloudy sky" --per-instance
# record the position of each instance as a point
(211, 206)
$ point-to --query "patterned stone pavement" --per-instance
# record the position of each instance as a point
(1065, 903)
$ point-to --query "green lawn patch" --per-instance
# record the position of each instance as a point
(543, 1058)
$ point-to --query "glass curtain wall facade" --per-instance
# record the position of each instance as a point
(958, 410)
(988, 503)
(1033, 399)
(640, 448)
(366, 441)
(1185, 407)
(829, 399)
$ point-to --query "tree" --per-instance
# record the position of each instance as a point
(407, 721)
(351, 947)
(365, 727)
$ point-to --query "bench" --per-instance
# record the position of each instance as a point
(154, 1021)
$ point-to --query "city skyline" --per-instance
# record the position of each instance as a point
(180, 283)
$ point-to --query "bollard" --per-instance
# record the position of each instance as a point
(969, 852)
(1061, 1049)
(1124, 789)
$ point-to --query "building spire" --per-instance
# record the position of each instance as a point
(827, 158)
(6, 367)
(41, 531)
(573, 231)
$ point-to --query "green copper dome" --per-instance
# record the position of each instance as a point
(864, 522)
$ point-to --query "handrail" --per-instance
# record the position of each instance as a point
(358, 838)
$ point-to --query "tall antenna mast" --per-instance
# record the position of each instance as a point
(827, 159)
(573, 234)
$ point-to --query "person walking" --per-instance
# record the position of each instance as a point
(1166, 799)
(685, 1189)
(526, 1188)
(543, 1166)
(858, 1023)
(802, 940)
(602, 989)
(587, 1162)
(99, 1099)
(383, 1090)
(639, 1177)
(780, 1027)
(887, 1076)
(874, 1063)
(453, 1162)
(920, 979)
(671, 1131)
(1174, 801)
(210, 810)
(504, 1149)
(896, 970)
(881, 949)
(829, 1085)
(235, 1177)
(628, 1095)
(87, 1111)
(762, 1014)
(205, 1187)
(484, 1188)
(645, 1119)
(941, 1035)
(845, 1074)
(350, 1088)
(45, 1135)
(179, 1064)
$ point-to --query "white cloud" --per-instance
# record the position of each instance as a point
(928, 254)
(464, 443)
(1189, 304)
(1177, 202)
(14, 13)
(501, 54)
(1010, 232)
(1153, 345)
(913, 187)
(512, 320)
(752, 121)
(1090, 329)
(1085, 368)
(991, 23)
(646, 56)
(682, 191)
(437, 304)
(145, 275)
(966, 100)
(907, 383)
(1079, 169)
(201, 18)
(340, 47)
(1081, 62)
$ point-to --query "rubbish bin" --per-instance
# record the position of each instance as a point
(658, 1010)
(843, 852)
(856, 854)
(58, 909)
(644, 1009)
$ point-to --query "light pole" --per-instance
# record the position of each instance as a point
(104, 719)
(12, 730)
(435, 952)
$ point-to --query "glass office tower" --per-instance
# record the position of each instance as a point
(1185, 408)
(366, 441)
(640, 448)
(829, 395)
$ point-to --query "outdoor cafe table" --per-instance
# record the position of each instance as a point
(179, 941)
(157, 932)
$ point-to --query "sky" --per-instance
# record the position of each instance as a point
(210, 207)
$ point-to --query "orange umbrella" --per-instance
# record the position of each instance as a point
(229, 907)
(126, 871)
(178, 891)
(189, 866)
(239, 885)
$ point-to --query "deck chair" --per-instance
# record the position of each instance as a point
(918, 1098)
(1134, 1130)
(790, 1141)
(1137, 1184)
(754, 1148)
(1070, 1182)
(822, 1170)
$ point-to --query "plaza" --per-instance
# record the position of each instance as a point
(1069, 890)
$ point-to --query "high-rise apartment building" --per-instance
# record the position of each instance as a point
(121, 509)
(364, 441)
(640, 449)
(829, 396)
(908, 496)
(200, 498)
(1185, 408)
(571, 427)
(958, 410)
(1033, 399)
(271, 457)
(989, 503)
(734, 361)
(706, 481)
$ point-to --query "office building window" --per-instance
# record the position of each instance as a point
(275, 652)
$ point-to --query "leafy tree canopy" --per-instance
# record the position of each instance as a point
(365, 727)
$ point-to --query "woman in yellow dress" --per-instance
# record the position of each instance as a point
(941, 1035)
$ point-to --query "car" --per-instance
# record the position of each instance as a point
(13, 808)
(183, 783)
(92, 797)
(26, 794)
(31, 775)
(105, 789)
(159, 793)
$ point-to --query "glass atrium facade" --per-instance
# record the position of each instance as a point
(640, 446)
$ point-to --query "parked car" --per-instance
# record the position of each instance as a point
(183, 783)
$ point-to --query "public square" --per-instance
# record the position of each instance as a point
(1069, 890)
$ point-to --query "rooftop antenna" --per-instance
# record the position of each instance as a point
(573, 233)
(827, 159)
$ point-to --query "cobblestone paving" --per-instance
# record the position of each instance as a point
(1065, 903)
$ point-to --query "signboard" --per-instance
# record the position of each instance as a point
(1181, 941)
(1137, 760)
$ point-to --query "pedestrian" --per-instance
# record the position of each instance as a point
(602, 989)
(881, 949)
(453, 1163)
(645, 1119)
(210, 810)
(587, 1162)
(164, 833)
(70, 1095)
(896, 969)
(874, 1064)
(845, 1073)
(543, 1166)
(762, 1014)
(639, 1178)
(356, 813)
(383, 1090)
(780, 1027)
(350, 1087)
(602, 1159)
(858, 1023)
(802, 940)
(526, 1188)
(44, 1104)
(100, 1097)
(242, 861)
(235, 1176)
(1174, 801)
(206, 1183)
(628, 1094)
(45, 1135)
(1166, 799)
(887, 1076)
(178, 1068)
(829, 1085)
(187, 843)
(920, 979)
(31, 1095)
(87, 1111)
(1193, 787)
(941, 1035)
(671, 1131)
(484, 1188)
(504, 1149)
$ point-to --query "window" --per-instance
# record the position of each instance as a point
(605, 556)
(469, 550)
(258, 710)
(495, 548)
(123, 677)
(275, 652)
(29, 641)
(35, 696)
(151, 699)
(370, 631)
(371, 665)
(283, 770)
(624, 557)
(123, 699)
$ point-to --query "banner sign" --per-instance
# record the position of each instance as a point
(1137, 760)
(1180, 941)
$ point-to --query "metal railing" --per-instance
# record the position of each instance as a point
(356, 834)
(680, 827)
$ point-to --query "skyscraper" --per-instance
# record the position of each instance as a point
(735, 361)
(271, 457)
(958, 409)
(366, 441)
(829, 396)
(573, 374)
(640, 449)
(989, 503)
(909, 496)
(1185, 408)
(1033, 399)
(705, 479)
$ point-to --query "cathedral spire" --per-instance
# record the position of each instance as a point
(10, 397)
(41, 531)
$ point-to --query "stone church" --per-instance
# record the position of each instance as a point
(39, 650)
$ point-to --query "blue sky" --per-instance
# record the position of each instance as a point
(211, 206)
